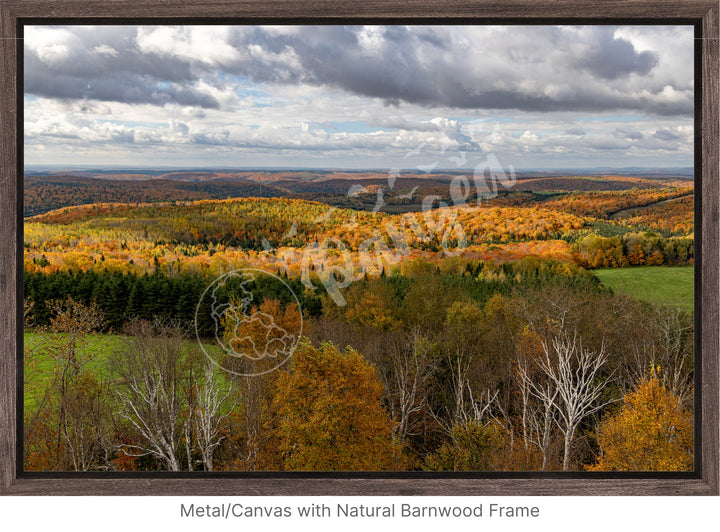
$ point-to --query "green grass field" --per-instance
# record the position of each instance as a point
(40, 363)
(654, 284)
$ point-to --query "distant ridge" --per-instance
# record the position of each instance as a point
(49, 192)
(362, 190)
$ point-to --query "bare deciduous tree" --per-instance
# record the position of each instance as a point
(577, 386)
(208, 415)
(172, 399)
(666, 351)
(407, 370)
(461, 351)
(27, 309)
(538, 409)
(82, 420)
(86, 427)
(151, 391)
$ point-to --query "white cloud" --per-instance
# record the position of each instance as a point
(358, 97)
(51, 45)
(104, 49)
(207, 44)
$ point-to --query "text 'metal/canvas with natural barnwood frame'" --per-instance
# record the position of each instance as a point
(398, 248)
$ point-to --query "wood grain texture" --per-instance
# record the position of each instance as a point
(369, 487)
(8, 236)
(710, 259)
(704, 12)
(404, 9)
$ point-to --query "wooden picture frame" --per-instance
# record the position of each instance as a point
(702, 14)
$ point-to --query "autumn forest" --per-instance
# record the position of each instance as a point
(431, 321)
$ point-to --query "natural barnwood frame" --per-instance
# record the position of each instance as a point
(703, 14)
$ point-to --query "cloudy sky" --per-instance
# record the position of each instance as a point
(359, 97)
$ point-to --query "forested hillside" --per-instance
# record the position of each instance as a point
(454, 337)
(452, 360)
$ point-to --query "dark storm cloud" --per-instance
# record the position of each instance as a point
(106, 65)
(612, 57)
(335, 56)
(535, 69)
(112, 86)
(415, 66)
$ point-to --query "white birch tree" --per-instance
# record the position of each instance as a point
(209, 413)
(576, 385)
(151, 392)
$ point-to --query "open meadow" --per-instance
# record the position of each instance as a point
(670, 285)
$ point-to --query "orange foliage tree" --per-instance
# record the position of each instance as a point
(652, 432)
(260, 339)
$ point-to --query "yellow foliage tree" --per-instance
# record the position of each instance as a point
(330, 416)
(652, 432)
(374, 309)
(473, 447)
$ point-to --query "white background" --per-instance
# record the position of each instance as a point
(138, 514)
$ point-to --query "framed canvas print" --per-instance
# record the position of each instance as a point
(288, 248)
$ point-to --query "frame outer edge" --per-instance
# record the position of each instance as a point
(401, 9)
(8, 230)
(710, 250)
(11, 10)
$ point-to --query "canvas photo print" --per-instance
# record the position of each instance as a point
(358, 248)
